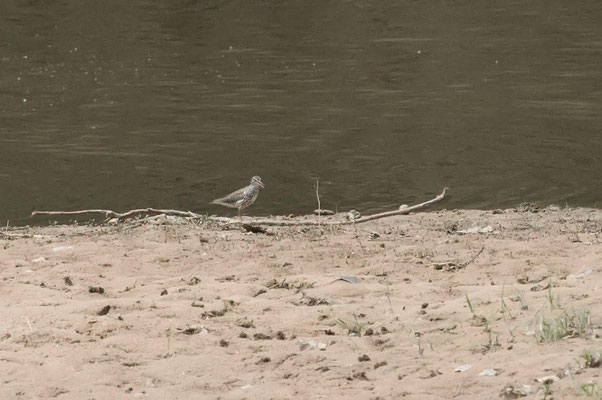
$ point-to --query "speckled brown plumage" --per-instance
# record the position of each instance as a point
(242, 198)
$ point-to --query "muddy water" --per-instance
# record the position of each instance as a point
(120, 104)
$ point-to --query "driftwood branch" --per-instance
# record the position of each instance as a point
(401, 211)
(132, 213)
(110, 214)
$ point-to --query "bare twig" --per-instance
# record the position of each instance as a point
(474, 258)
(318, 194)
(389, 297)
(28, 323)
(453, 266)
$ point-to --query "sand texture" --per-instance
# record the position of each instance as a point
(170, 309)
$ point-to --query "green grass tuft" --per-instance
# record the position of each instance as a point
(353, 328)
(571, 323)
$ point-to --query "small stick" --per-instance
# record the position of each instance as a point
(169, 335)
(472, 259)
(451, 266)
(28, 323)
(318, 195)
(389, 297)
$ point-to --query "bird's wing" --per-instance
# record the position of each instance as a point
(230, 199)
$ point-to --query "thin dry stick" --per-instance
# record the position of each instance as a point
(318, 195)
(474, 258)
(451, 266)
(389, 297)
(28, 323)
(169, 335)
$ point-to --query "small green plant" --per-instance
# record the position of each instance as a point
(571, 323)
(389, 297)
(503, 306)
(591, 360)
(477, 320)
(353, 328)
(493, 338)
(521, 298)
(470, 305)
(512, 336)
(590, 390)
(547, 388)
(553, 300)
(169, 335)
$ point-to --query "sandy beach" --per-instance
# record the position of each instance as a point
(433, 305)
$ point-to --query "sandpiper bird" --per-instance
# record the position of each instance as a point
(242, 198)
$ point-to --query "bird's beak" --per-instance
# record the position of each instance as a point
(261, 184)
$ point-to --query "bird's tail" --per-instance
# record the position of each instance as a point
(222, 202)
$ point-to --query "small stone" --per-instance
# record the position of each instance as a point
(523, 280)
(245, 323)
(489, 372)
(380, 364)
(311, 345)
(515, 391)
(104, 311)
(548, 379)
(463, 368)
(359, 376)
(322, 211)
(261, 336)
(96, 289)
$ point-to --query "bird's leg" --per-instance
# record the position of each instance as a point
(239, 215)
